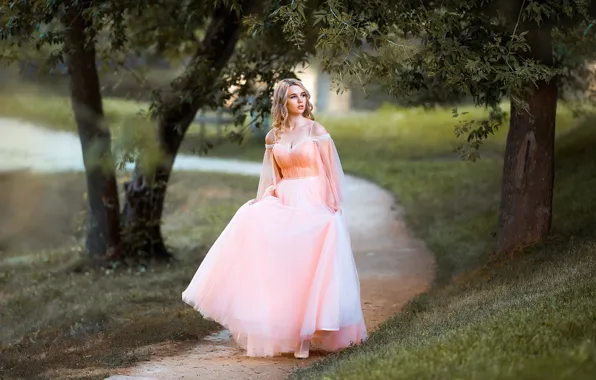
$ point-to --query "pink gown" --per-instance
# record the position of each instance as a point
(282, 271)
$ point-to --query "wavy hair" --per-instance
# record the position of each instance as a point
(279, 109)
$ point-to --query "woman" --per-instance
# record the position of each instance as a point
(282, 272)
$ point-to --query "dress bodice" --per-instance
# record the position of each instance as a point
(298, 161)
(314, 156)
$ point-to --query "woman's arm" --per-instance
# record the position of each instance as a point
(331, 164)
(269, 170)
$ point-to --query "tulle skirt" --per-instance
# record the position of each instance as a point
(281, 272)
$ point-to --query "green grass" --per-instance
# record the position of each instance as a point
(42, 106)
(531, 316)
(55, 322)
(413, 133)
(36, 105)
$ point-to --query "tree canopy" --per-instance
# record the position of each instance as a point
(455, 49)
(123, 31)
(223, 62)
(529, 52)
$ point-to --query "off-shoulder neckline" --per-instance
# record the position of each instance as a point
(313, 138)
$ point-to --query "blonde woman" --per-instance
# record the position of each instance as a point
(282, 273)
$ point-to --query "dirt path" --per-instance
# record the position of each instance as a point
(393, 268)
(392, 264)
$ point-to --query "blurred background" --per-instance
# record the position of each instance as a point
(99, 232)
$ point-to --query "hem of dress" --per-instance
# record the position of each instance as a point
(209, 317)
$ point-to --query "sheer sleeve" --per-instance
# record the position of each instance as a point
(333, 169)
(269, 174)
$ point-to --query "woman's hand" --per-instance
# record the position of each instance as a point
(335, 209)
(270, 191)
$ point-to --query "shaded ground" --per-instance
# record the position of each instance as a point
(53, 319)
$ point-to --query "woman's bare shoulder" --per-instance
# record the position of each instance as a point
(318, 129)
(270, 137)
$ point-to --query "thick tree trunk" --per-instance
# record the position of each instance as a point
(141, 219)
(145, 194)
(103, 227)
(525, 213)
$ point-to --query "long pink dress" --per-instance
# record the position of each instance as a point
(283, 269)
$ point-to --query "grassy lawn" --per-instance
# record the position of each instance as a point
(413, 133)
(527, 317)
(37, 105)
(54, 321)
(41, 105)
(532, 316)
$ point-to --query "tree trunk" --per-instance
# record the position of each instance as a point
(145, 194)
(525, 213)
(103, 227)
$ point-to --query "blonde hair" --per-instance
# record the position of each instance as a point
(279, 109)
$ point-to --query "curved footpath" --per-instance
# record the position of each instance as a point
(393, 265)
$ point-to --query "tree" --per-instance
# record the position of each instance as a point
(525, 213)
(19, 20)
(103, 234)
(487, 50)
(220, 69)
(206, 83)
(145, 194)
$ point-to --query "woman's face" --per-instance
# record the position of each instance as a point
(296, 100)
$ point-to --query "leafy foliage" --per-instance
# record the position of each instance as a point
(453, 49)
(131, 36)
(199, 38)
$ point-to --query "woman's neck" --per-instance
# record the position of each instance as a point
(296, 120)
